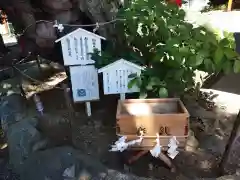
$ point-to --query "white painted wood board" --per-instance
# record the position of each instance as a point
(84, 80)
(116, 77)
(77, 46)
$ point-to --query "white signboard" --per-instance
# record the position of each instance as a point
(116, 77)
(84, 81)
(77, 46)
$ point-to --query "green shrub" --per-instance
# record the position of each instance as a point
(156, 36)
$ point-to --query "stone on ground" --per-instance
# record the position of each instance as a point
(21, 138)
(54, 163)
(11, 108)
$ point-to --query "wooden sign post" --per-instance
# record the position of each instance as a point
(76, 49)
(77, 46)
(116, 77)
(84, 81)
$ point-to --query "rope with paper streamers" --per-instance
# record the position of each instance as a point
(33, 79)
(156, 151)
(172, 148)
(97, 25)
(60, 26)
(121, 144)
(173, 145)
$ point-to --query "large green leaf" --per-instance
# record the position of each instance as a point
(178, 73)
(224, 42)
(236, 67)
(181, 13)
(171, 42)
(230, 53)
(209, 65)
(195, 61)
(227, 67)
(184, 49)
(199, 59)
(158, 57)
(154, 81)
(132, 82)
(163, 92)
(218, 56)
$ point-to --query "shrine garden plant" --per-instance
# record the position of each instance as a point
(155, 35)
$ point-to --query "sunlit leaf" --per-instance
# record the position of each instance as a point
(132, 83)
(199, 59)
(195, 61)
(236, 67)
(230, 53)
(224, 42)
(209, 65)
(163, 92)
(227, 67)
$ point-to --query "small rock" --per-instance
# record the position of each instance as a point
(69, 172)
(103, 175)
(228, 177)
(192, 142)
(97, 124)
(20, 138)
(47, 178)
(40, 145)
(53, 162)
(11, 108)
(84, 175)
(238, 172)
(126, 168)
(150, 167)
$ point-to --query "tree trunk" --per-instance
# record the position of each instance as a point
(41, 37)
(231, 157)
(101, 11)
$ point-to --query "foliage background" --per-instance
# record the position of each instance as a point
(155, 35)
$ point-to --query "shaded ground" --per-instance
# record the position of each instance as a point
(95, 135)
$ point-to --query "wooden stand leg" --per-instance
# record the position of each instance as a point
(39, 64)
(162, 156)
(230, 3)
(137, 156)
(167, 161)
(67, 98)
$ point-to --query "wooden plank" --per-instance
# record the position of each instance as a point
(174, 123)
(131, 117)
(137, 156)
(149, 143)
(165, 101)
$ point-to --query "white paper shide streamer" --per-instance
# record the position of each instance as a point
(58, 26)
(155, 152)
(173, 145)
(121, 144)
